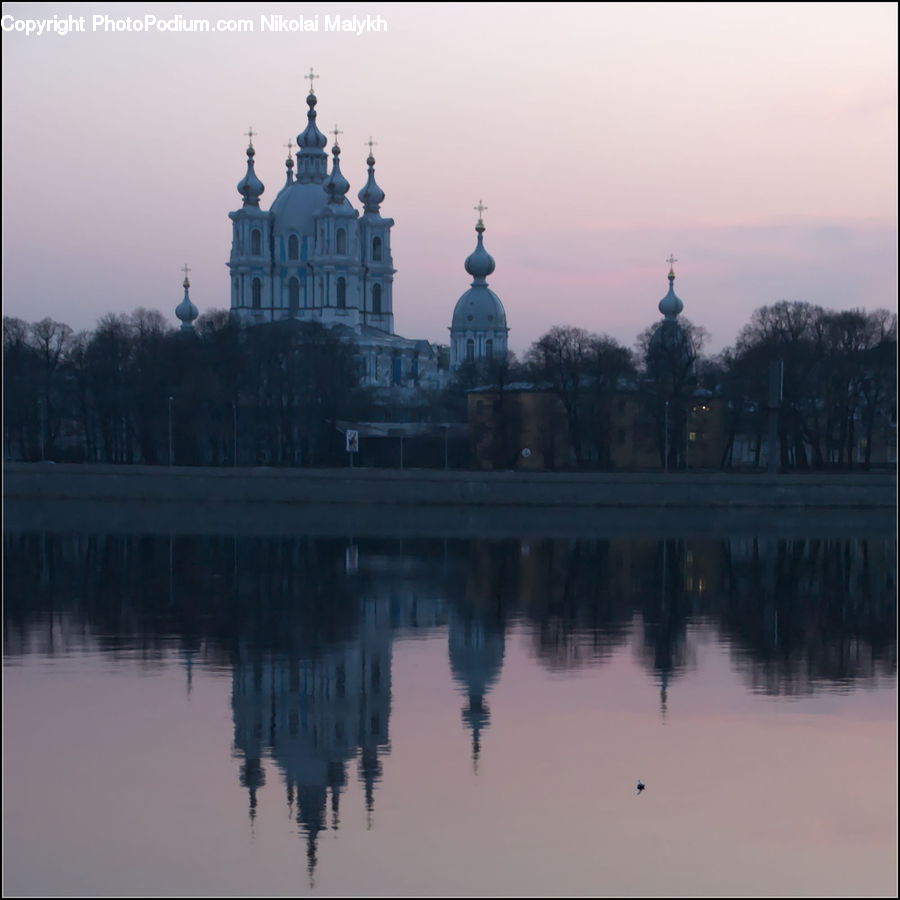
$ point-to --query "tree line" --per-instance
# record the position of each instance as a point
(136, 390)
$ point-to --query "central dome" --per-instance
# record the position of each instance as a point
(295, 208)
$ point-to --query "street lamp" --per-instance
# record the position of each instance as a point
(171, 451)
(666, 453)
(234, 432)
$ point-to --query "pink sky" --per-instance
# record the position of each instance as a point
(755, 141)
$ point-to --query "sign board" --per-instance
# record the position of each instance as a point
(352, 441)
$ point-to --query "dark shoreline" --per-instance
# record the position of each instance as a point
(429, 503)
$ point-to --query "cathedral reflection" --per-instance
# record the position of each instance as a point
(306, 627)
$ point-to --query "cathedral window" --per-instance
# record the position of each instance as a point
(255, 242)
(397, 369)
(341, 293)
(376, 249)
(256, 293)
(293, 247)
(293, 296)
(376, 298)
(470, 350)
(489, 349)
(341, 241)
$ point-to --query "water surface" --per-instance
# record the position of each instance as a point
(272, 716)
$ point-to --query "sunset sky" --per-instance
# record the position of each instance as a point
(756, 142)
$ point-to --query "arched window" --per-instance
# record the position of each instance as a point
(470, 350)
(489, 349)
(293, 247)
(255, 242)
(256, 293)
(341, 241)
(396, 369)
(341, 293)
(376, 249)
(293, 296)
(376, 298)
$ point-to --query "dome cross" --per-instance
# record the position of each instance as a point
(311, 76)
(336, 131)
(250, 133)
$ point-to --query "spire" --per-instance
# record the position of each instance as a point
(312, 159)
(371, 196)
(289, 164)
(670, 305)
(250, 187)
(336, 185)
(477, 716)
(186, 311)
(480, 263)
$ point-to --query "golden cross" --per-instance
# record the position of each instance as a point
(185, 270)
(671, 260)
(370, 143)
(250, 134)
(481, 208)
(336, 132)
(311, 76)
(290, 146)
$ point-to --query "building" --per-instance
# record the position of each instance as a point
(312, 257)
(478, 330)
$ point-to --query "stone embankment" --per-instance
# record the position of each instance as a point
(429, 502)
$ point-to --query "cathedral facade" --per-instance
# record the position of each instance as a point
(312, 257)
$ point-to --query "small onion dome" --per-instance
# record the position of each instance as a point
(250, 187)
(336, 185)
(480, 263)
(186, 311)
(670, 305)
(311, 138)
(371, 196)
(289, 165)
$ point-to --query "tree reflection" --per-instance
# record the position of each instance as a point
(306, 626)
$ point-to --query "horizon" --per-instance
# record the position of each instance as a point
(755, 142)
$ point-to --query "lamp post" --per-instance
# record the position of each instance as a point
(234, 433)
(171, 445)
(666, 443)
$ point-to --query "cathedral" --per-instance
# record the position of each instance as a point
(313, 257)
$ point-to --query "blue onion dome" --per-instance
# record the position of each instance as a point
(186, 311)
(371, 196)
(480, 263)
(289, 166)
(311, 138)
(250, 187)
(479, 308)
(670, 305)
(336, 185)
